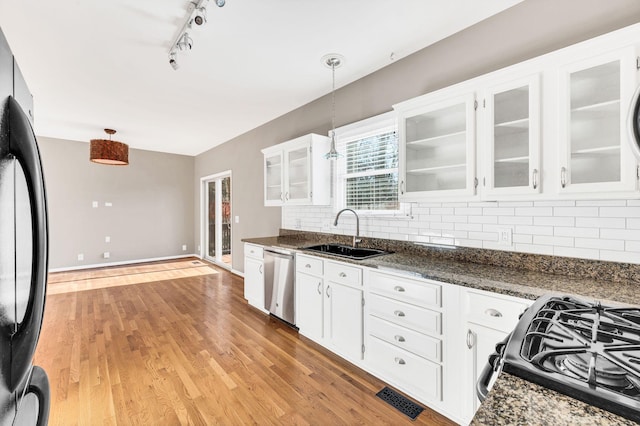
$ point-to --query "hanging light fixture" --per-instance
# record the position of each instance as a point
(106, 151)
(333, 61)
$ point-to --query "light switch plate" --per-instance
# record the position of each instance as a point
(94, 204)
(505, 237)
(237, 219)
(107, 239)
(106, 255)
(184, 247)
(80, 257)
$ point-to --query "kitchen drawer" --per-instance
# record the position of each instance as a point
(402, 337)
(343, 273)
(416, 374)
(253, 250)
(422, 293)
(492, 311)
(308, 265)
(411, 316)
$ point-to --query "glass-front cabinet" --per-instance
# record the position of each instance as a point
(594, 97)
(512, 138)
(295, 172)
(437, 147)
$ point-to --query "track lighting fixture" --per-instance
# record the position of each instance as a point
(183, 42)
(201, 16)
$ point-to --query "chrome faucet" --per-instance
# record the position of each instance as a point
(356, 238)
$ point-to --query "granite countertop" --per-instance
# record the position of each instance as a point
(515, 401)
(514, 282)
(512, 400)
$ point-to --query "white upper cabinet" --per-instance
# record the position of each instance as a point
(594, 154)
(511, 138)
(296, 172)
(437, 147)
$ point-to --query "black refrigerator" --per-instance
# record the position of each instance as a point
(24, 388)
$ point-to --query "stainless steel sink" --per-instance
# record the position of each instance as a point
(355, 253)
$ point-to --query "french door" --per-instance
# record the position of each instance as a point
(217, 219)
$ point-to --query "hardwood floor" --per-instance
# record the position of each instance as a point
(191, 351)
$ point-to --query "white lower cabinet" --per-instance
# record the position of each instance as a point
(329, 300)
(254, 275)
(489, 318)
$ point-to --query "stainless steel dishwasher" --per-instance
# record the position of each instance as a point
(278, 283)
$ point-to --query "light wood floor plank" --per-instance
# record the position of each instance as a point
(186, 349)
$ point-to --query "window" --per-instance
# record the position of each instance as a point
(367, 173)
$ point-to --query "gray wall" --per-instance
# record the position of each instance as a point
(152, 205)
(532, 28)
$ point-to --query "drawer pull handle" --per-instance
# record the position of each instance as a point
(399, 313)
(399, 289)
(307, 266)
(399, 338)
(320, 288)
(400, 361)
(470, 339)
(328, 291)
(260, 269)
(342, 275)
(493, 313)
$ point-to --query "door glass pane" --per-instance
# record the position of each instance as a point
(436, 150)
(274, 178)
(595, 124)
(226, 220)
(211, 236)
(298, 174)
(511, 138)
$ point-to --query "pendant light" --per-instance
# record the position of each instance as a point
(106, 151)
(333, 61)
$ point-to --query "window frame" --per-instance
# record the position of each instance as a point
(371, 126)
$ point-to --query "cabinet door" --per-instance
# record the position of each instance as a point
(481, 342)
(273, 179)
(512, 138)
(594, 97)
(437, 149)
(309, 305)
(298, 175)
(254, 282)
(343, 319)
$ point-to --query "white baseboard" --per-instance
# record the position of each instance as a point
(238, 273)
(124, 262)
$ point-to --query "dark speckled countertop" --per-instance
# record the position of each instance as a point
(512, 401)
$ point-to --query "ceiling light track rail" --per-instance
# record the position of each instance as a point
(196, 14)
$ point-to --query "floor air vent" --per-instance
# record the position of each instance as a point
(402, 404)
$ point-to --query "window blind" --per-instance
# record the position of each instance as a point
(370, 172)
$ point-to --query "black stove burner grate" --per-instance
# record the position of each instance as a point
(586, 350)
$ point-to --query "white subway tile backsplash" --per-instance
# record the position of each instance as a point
(600, 244)
(553, 241)
(620, 212)
(590, 229)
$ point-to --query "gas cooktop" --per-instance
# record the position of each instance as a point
(585, 350)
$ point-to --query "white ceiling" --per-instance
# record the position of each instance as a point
(93, 64)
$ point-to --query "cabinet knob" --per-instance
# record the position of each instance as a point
(399, 289)
(398, 313)
(342, 275)
(400, 361)
(399, 338)
(493, 313)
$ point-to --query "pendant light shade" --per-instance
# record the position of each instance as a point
(106, 151)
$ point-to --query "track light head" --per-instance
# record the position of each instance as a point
(173, 60)
(201, 16)
(185, 42)
(220, 3)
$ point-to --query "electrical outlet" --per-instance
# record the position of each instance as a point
(108, 204)
(237, 219)
(326, 225)
(107, 239)
(80, 257)
(184, 247)
(298, 223)
(94, 204)
(505, 237)
(106, 255)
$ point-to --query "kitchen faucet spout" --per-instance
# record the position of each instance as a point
(356, 238)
